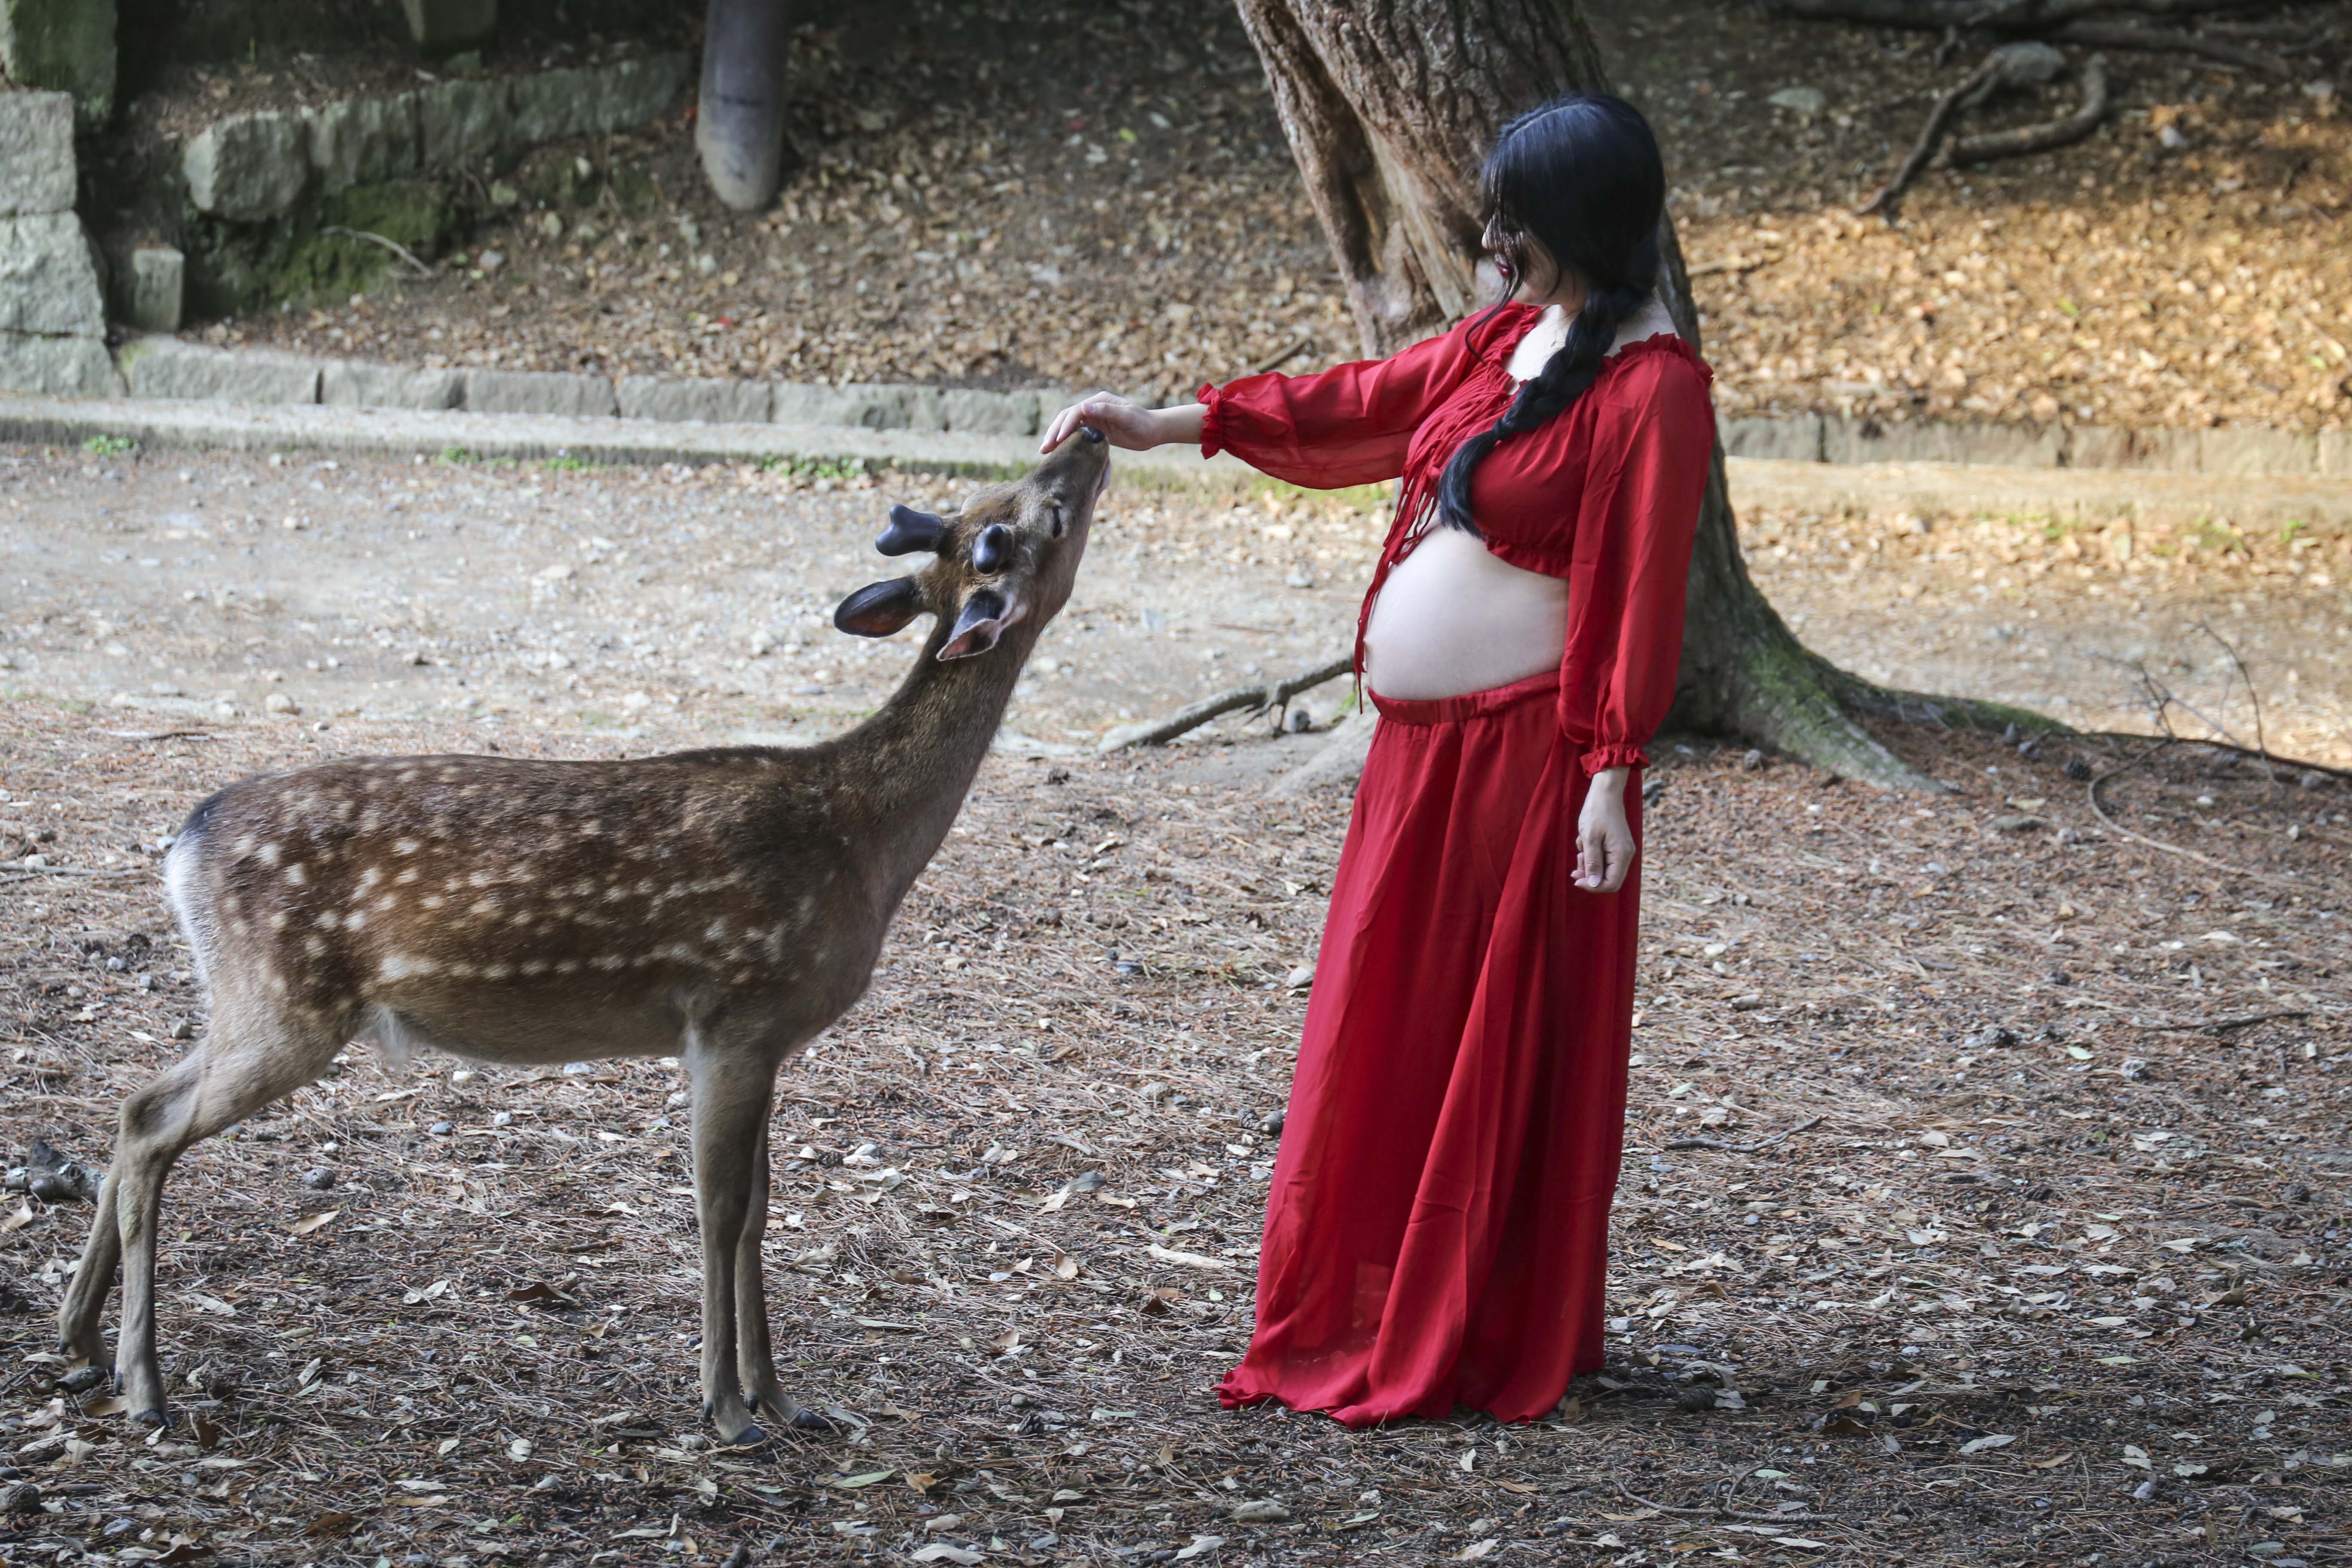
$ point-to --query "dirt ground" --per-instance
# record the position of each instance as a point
(2046, 1260)
(1101, 195)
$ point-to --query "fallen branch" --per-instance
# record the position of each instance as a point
(2101, 813)
(1931, 136)
(1257, 698)
(1743, 1148)
(2026, 139)
(392, 245)
(2221, 1026)
(2166, 41)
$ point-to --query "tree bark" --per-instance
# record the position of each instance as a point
(1388, 108)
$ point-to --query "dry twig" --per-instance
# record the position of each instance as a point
(1744, 1147)
(1257, 698)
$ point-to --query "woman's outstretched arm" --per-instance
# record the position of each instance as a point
(1127, 423)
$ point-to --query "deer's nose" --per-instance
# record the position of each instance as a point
(1090, 433)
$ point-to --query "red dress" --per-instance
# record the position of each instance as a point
(1437, 1230)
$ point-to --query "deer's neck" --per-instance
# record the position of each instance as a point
(903, 774)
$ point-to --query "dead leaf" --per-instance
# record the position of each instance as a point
(1189, 1260)
(319, 1221)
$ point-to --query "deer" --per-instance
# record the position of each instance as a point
(724, 906)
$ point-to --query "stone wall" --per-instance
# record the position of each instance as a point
(52, 309)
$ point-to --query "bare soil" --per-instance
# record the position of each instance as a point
(1101, 195)
(2046, 1260)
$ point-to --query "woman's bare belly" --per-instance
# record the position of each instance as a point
(1452, 618)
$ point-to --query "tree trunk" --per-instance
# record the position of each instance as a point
(739, 124)
(1388, 108)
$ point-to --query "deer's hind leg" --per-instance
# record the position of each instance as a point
(254, 1053)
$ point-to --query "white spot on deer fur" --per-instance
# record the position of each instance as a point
(388, 901)
(314, 945)
(481, 878)
(605, 961)
(715, 931)
(462, 971)
(536, 967)
(405, 878)
(432, 901)
(328, 919)
(486, 908)
(278, 983)
(567, 966)
(591, 828)
(496, 971)
(369, 878)
(268, 854)
(278, 920)
(296, 875)
(405, 847)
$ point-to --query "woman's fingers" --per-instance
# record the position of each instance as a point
(1113, 415)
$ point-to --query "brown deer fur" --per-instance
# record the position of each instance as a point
(725, 905)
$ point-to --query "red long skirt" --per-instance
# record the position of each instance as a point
(1437, 1231)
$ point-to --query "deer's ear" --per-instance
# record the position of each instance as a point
(977, 625)
(879, 609)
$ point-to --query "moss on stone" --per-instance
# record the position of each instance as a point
(322, 265)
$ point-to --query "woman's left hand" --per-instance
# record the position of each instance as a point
(1605, 839)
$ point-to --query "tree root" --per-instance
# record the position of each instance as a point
(1257, 698)
(2025, 138)
(1761, 1145)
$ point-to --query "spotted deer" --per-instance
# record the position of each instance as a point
(723, 905)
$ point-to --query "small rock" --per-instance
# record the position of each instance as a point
(502, 1118)
(278, 702)
(1261, 1511)
(1752, 762)
(2297, 1194)
(2312, 778)
(1271, 1123)
(183, 1030)
(441, 1130)
(1992, 1037)
(320, 1180)
(1301, 978)
(2060, 977)
(1696, 1401)
(1805, 101)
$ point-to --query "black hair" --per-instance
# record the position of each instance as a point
(1581, 179)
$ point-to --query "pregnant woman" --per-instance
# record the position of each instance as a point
(1438, 1227)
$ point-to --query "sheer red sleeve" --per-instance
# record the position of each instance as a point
(1650, 446)
(1349, 425)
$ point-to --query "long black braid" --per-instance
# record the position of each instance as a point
(1578, 187)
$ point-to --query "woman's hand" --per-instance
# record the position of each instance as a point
(1604, 840)
(1127, 424)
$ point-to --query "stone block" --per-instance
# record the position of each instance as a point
(550, 106)
(49, 277)
(990, 413)
(67, 45)
(247, 167)
(1791, 438)
(709, 400)
(537, 392)
(2098, 446)
(631, 93)
(2164, 450)
(37, 153)
(2247, 450)
(2335, 454)
(460, 123)
(1850, 440)
(168, 367)
(442, 26)
(872, 406)
(158, 275)
(362, 141)
(356, 384)
(58, 367)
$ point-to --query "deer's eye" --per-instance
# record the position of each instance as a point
(1061, 524)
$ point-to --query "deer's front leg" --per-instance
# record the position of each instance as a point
(755, 1359)
(732, 1091)
(79, 1318)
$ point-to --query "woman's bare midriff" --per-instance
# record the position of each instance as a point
(1452, 618)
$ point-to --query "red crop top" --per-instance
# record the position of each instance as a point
(1605, 496)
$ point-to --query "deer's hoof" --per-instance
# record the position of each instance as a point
(807, 1420)
(752, 1435)
(157, 1417)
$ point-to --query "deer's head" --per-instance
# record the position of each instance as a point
(1009, 556)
